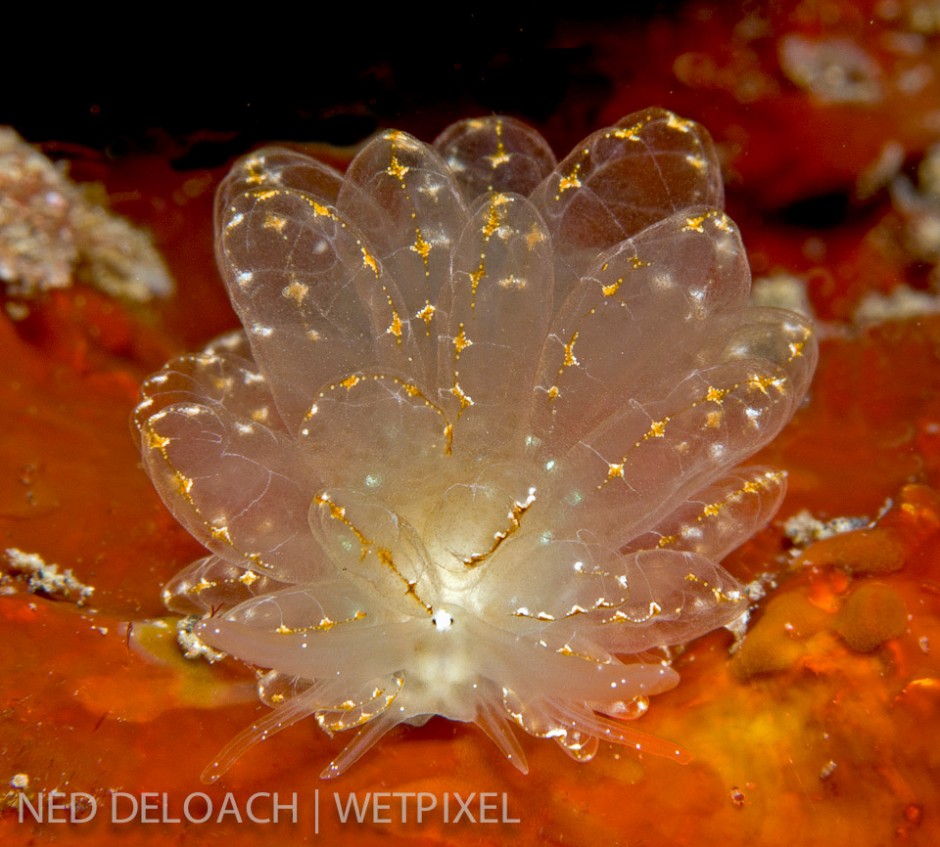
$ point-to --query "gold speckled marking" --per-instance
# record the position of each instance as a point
(461, 342)
(367, 547)
(255, 173)
(426, 314)
(500, 157)
(156, 441)
(713, 418)
(495, 215)
(368, 261)
(609, 290)
(658, 428)
(184, 486)
(465, 399)
(495, 219)
(421, 247)
(356, 379)
(762, 383)
(567, 650)
(278, 223)
(396, 169)
(218, 531)
(570, 180)
(570, 360)
(350, 714)
(697, 222)
(654, 610)
(715, 395)
(613, 288)
(325, 625)
(630, 133)
(712, 510)
(321, 211)
(394, 328)
(716, 592)
(515, 521)
(296, 291)
(574, 611)
(680, 124)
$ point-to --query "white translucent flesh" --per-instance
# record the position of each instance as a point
(477, 450)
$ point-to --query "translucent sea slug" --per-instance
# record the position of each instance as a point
(476, 452)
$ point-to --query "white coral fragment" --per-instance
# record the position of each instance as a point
(46, 578)
(51, 233)
(479, 450)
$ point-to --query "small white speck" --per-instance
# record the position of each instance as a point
(442, 620)
(262, 331)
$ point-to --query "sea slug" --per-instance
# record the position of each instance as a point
(477, 451)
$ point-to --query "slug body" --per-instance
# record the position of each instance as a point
(477, 449)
